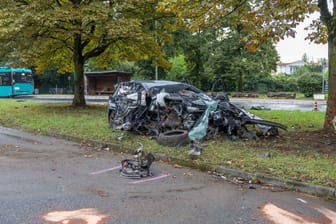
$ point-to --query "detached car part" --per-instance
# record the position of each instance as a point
(162, 108)
(138, 167)
(173, 138)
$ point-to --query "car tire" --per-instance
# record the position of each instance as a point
(173, 138)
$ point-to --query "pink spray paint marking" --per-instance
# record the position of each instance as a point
(106, 170)
(150, 179)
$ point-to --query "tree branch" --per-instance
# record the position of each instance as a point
(96, 51)
(58, 2)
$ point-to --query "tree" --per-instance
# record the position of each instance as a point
(214, 53)
(68, 33)
(230, 61)
(195, 48)
(328, 20)
(179, 69)
(263, 20)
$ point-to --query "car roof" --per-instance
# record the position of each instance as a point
(156, 83)
(169, 86)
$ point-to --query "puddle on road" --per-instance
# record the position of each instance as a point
(81, 216)
(279, 216)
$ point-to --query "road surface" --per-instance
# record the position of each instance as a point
(47, 180)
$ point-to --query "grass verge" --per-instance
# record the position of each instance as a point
(286, 159)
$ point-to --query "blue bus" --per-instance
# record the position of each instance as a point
(16, 81)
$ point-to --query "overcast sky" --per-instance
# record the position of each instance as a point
(292, 49)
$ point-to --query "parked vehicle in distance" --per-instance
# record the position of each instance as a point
(16, 81)
(178, 113)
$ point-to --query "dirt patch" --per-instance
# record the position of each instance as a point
(319, 141)
(315, 141)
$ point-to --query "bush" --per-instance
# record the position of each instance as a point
(309, 84)
(286, 83)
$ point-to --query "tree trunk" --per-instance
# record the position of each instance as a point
(78, 59)
(331, 103)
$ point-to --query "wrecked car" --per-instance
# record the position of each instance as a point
(179, 113)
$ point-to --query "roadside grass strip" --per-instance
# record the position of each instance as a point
(285, 158)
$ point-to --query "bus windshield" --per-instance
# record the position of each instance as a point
(22, 77)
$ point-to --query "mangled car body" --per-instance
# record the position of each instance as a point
(159, 107)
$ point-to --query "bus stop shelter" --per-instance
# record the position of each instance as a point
(103, 82)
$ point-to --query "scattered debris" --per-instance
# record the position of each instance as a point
(102, 193)
(138, 168)
(187, 174)
(266, 155)
(104, 147)
(251, 184)
(215, 174)
(178, 113)
(121, 136)
(195, 149)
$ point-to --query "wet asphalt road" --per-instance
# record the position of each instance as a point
(40, 176)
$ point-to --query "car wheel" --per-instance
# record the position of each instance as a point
(173, 138)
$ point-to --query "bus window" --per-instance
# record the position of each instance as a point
(22, 77)
(5, 79)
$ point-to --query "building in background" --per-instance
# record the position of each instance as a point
(289, 68)
(103, 82)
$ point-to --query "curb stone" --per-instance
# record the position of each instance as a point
(318, 190)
